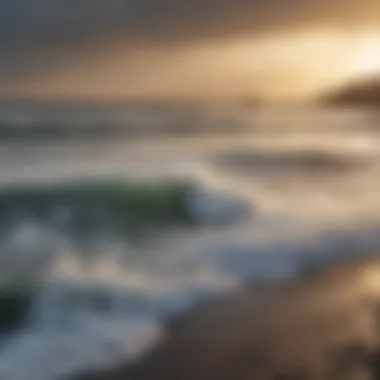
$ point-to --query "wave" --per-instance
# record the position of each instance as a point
(94, 317)
(306, 161)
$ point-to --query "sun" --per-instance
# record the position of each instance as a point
(367, 60)
(368, 63)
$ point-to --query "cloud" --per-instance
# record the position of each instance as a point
(36, 35)
(71, 21)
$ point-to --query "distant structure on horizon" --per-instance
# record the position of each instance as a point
(250, 101)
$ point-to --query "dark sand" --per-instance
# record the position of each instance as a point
(324, 325)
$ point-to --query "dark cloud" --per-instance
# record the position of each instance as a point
(70, 21)
(36, 33)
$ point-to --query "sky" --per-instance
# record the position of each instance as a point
(191, 49)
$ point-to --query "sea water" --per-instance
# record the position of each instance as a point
(310, 179)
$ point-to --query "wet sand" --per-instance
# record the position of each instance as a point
(324, 325)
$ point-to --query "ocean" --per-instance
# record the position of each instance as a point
(310, 178)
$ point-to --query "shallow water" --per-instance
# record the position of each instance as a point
(306, 172)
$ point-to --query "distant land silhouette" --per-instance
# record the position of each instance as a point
(359, 92)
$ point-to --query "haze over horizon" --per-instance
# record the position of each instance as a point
(226, 49)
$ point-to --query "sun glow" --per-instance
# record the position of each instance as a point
(368, 59)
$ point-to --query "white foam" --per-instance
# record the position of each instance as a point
(90, 345)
